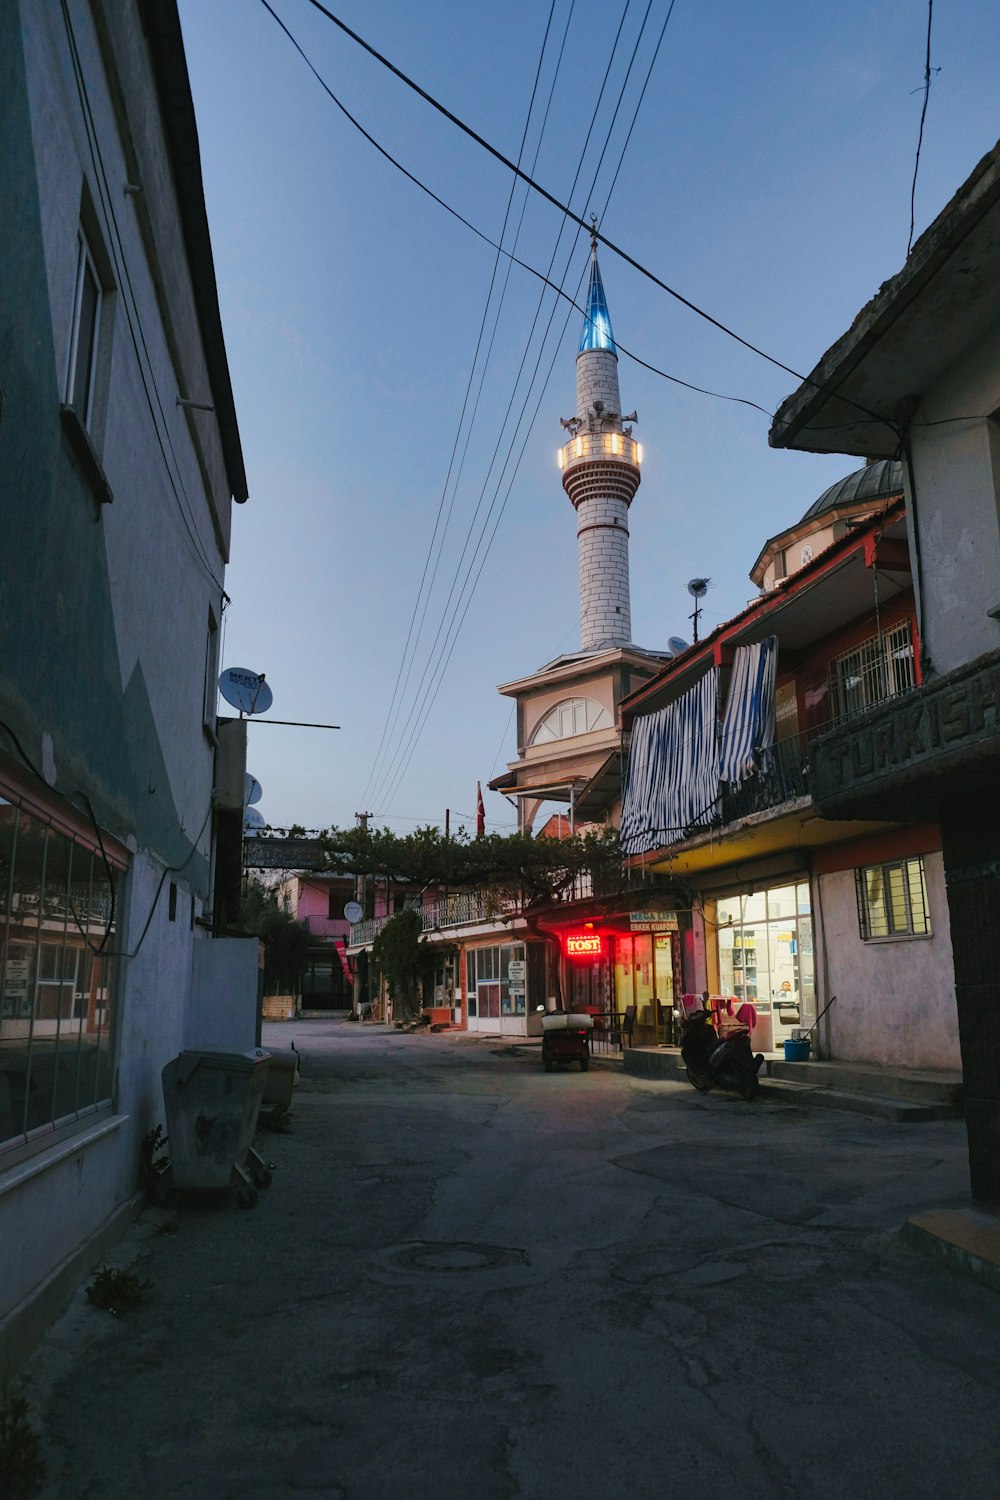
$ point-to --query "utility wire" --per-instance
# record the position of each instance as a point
(928, 70)
(455, 629)
(564, 209)
(445, 624)
(392, 716)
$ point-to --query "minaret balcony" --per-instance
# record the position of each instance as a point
(593, 461)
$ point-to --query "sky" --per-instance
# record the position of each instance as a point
(397, 559)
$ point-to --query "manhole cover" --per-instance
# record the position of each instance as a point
(461, 1256)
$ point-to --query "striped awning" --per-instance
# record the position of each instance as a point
(748, 724)
(673, 771)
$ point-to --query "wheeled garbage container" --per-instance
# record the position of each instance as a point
(212, 1099)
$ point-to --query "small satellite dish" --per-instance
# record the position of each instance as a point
(698, 587)
(252, 790)
(353, 912)
(246, 690)
(677, 644)
(253, 821)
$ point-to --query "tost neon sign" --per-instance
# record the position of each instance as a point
(583, 945)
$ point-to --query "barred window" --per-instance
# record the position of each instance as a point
(57, 921)
(892, 900)
(880, 668)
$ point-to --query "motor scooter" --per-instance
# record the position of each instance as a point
(714, 1062)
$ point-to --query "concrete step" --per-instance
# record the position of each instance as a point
(816, 1085)
(920, 1085)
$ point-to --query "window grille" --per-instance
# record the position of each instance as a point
(892, 900)
(878, 669)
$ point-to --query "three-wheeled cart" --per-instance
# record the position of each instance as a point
(566, 1038)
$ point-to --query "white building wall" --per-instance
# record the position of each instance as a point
(956, 468)
(895, 999)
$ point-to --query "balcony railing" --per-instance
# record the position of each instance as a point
(783, 776)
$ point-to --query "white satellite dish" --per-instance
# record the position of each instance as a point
(253, 822)
(246, 690)
(353, 912)
(677, 644)
(252, 790)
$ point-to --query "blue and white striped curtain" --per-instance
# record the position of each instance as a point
(673, 771)
(748, 725)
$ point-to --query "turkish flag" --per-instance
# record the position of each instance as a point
(480, 812)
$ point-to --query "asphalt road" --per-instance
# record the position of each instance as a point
(472, 1280)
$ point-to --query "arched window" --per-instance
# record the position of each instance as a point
(571, 716)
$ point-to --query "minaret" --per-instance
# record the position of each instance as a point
(600, 465)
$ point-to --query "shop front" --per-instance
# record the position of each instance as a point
(626, 969)
(504, 983)
(766, 958)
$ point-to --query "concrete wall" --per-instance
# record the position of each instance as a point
(895, 999)
(956, 469)
(104, 631)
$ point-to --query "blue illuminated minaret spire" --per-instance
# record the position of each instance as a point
(600, 465)
(597, 332)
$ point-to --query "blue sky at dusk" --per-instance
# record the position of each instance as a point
(767, 178)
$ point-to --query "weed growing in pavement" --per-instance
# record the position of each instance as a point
(154, 1166)
(22, 1468)
(116, 1291)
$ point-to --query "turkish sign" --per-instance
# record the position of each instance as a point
(583, 945)
(653, 921)
(958, 717)
(283, 854)
(515, 973)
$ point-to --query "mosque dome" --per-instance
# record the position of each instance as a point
(874, 482)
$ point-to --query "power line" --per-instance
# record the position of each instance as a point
(564, 209)
(928, 70)
(435, 669)
(444, 625)
(396, 702)
(455, 629)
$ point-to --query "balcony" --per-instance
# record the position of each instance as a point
(782, 777)
(325, 927)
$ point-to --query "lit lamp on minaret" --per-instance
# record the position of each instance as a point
(600, 474)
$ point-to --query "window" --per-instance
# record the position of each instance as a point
(211, 692)
(880, 668)
(892, 900)
(57, 939)
(81, 374)
(572, 716)
(487, 981)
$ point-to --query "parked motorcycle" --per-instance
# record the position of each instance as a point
(714, 1062)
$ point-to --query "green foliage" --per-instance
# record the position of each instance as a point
(154, 1166)
(405, 961)
(518, 868)
(116, 1291)
(22, 1468)
(286, 942)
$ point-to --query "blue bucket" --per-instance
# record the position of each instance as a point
(797, 1051)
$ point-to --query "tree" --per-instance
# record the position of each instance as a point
(286, 942)
(405, 961)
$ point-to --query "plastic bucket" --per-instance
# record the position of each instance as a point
(797, 1051)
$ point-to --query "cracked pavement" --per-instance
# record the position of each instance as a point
(471, 1278)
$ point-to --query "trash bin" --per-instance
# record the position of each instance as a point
(212, 1099)
(282, 1076)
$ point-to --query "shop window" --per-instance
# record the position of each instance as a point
(892, 900)
(488, 988)
(57, 931)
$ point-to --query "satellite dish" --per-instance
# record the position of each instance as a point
(353, 912)
(677, 644)
(246, 690)
(252, 790)
(698, 587)
(253, 822)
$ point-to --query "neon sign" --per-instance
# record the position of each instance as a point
(583, 945)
